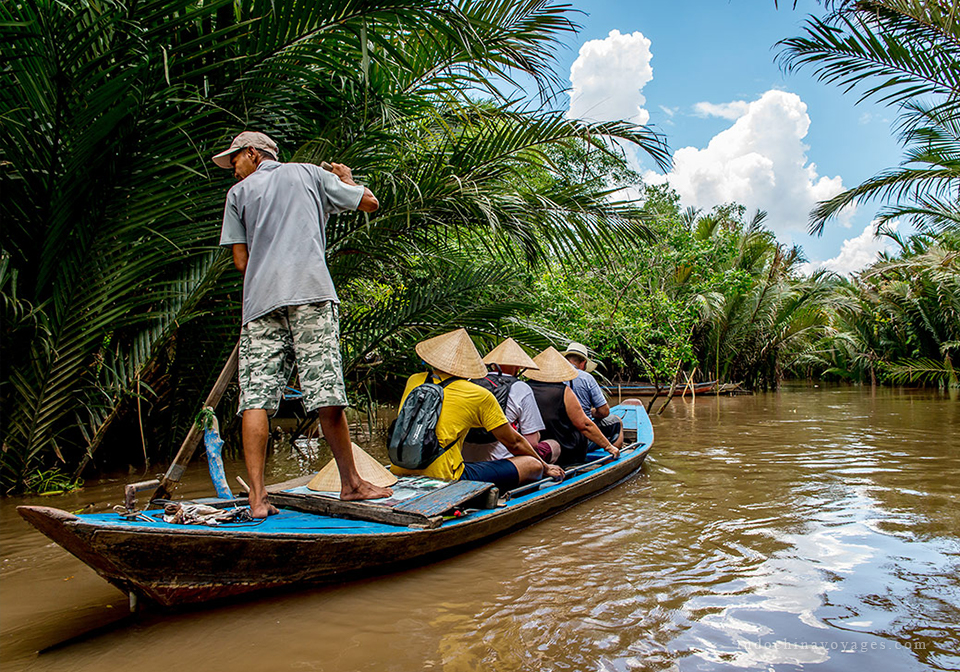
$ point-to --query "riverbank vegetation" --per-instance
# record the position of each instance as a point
(497, 214)
(119, 307)
(899, 315)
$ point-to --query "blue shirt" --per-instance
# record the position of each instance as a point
(280, 212)
(588, 392)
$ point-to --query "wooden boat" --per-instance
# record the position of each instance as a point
(709, 388)
(648, 389)
(315, 539)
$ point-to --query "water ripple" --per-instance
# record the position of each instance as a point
(814, 530)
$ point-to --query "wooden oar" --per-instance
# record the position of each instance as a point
(179, 464)
(569, 472)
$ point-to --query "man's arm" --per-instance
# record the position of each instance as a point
(240, 257)
(518, 445)
(601, 408)
(369, 202)
(584, 424)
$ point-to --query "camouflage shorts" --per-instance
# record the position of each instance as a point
(308, 336)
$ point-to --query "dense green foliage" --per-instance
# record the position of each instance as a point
(898, 320)
(713, 295)
(118, 306)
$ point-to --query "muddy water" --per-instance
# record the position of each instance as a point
(814, 529)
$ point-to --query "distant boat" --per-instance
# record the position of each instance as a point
(649, 389)
(317, 539)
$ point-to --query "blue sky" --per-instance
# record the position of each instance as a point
(704, 73)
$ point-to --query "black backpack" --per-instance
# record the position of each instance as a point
(499, 384)
(413, 435)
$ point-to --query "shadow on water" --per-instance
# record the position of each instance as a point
(811, 529)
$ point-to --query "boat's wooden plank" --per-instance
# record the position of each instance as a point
(443, 499)
(358, 510)
(292, 483)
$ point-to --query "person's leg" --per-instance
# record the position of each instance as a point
(333, 422)
(612, 428)
(530, 469)
(615, 433)
(504, 474)
(264, 367)
(549, 450)
(256, 430)
(316, 338)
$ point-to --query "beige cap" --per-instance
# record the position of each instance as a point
(328, 478)
(553, 368)
(580, 350)
(453, 353)
(242, 141)
(509, 353)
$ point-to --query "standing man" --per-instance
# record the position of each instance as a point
(590, 395)
(275, 222)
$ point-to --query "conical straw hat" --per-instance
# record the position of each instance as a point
(509, 353)
(553, 368)
(453, 353)
(328, 478)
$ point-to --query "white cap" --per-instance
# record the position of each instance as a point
(242, 141)
(580, 350)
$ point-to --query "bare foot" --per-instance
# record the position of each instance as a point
(263, 510)
(364, 490)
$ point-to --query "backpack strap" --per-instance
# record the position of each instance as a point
(446, 382)
(443, 384)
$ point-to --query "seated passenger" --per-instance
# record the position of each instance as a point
(563, 417)
(467, 405)
(516, 399)
(590, 395)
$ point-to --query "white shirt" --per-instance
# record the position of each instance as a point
(522, 413)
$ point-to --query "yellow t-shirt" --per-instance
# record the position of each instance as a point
(465, 405)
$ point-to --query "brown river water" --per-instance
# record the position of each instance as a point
(810, 529)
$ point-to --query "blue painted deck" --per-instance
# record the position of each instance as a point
(295, 522)
(634, 416)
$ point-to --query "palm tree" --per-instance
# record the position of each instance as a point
(924, 188)
(904, 53)
(111, 209)
(917, 296)
(896, 321)
(759, 317)
(109, 206)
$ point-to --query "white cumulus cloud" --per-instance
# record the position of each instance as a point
(731, 110)
(855, 253)
(669, 111)
(607, 78)
(760, 162)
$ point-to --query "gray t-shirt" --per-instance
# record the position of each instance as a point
(280, 211)
(588, 392)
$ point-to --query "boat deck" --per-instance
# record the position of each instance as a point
(316, 538)
(298, 522)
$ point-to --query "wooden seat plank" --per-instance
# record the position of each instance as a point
(443, 499)
(357, 510)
